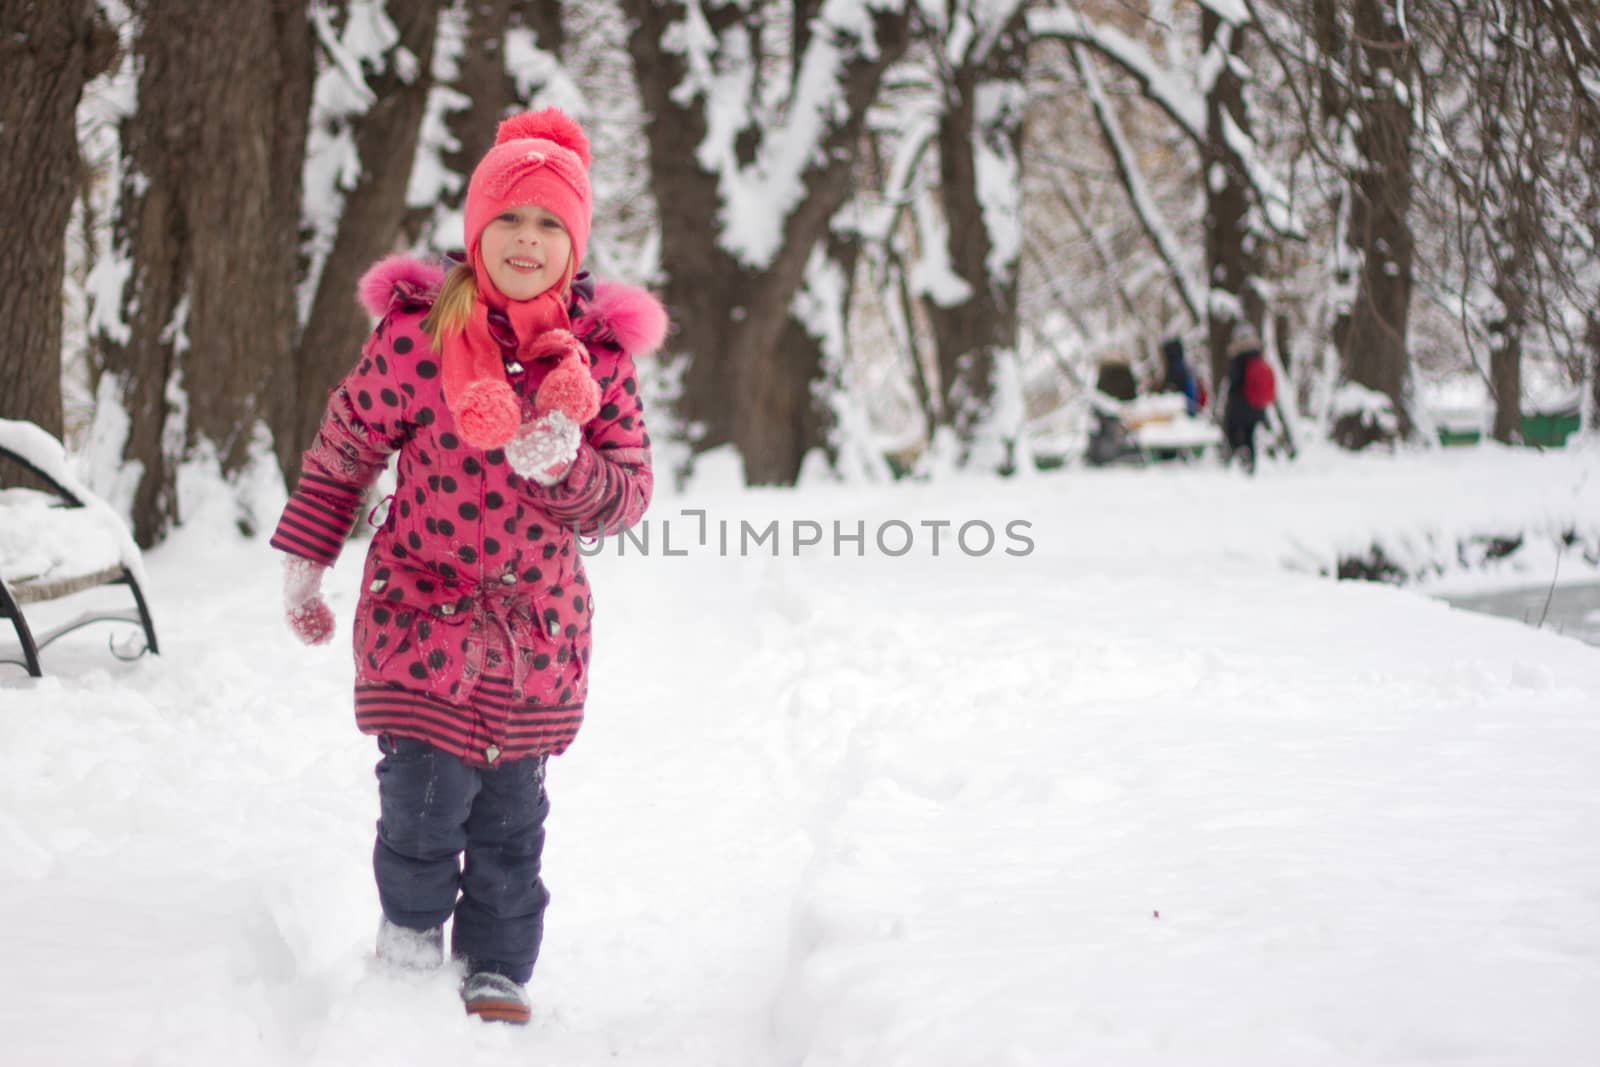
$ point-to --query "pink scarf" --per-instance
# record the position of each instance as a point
(485, 407)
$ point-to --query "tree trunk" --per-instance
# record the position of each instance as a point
(737, 387)
(773, 384)
(803, 354)
(795, 412)
(962, 332)
(1515, 230)
(370, 227)
(209, 224)
(1328, 33)
(1233, 254)
(484, 80)
(772, 450)
(980, 116)
(1505, 378)
(702, 284)
(543, 17)
(1374, 349)
(1592, 340)
(49, 50)
(1281, 328)
(898, 289)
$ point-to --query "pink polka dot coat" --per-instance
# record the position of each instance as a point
(473, 629)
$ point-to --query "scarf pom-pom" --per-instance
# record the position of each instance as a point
(487, 414)
(569, 389)
(557, 343)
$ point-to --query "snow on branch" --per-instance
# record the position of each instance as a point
(431, 177)
(344, 56)
(999, 174)
(820, 305)
(919, 132)
(977, 26)
(340, 95)
(758, 198)
(917, 128)
(934, 276)
(1233, 12)
(1179, 97)
(1270, 192)
(1144, 205)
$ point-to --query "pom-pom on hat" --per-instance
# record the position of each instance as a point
(539, 158)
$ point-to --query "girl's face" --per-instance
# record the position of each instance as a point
(525, 250)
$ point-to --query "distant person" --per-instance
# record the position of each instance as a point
(1179, 378)
(1115, 379)
(506, 391)
(1251, 390)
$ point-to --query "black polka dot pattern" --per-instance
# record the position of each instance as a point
(465, 532)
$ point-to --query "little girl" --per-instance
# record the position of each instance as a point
(507, 388)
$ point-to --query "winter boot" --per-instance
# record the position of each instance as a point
(495, 998)
(410, 950)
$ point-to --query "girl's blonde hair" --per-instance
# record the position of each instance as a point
(453, 306)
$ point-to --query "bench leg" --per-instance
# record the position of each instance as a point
(30, 652)
(144, 612)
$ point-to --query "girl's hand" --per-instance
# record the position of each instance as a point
(545, 448)
(309, 616)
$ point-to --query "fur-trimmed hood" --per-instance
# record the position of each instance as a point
(605, 311)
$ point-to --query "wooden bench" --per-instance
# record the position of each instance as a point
(1161, 428)
(60, 542)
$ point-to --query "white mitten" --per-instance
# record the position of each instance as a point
(545, 448)
(308, 614)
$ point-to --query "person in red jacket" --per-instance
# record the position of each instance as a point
(506, 392)
(1251, 388)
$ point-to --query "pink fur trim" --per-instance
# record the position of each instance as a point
(488, 414)
(635, 318)
(377, 286)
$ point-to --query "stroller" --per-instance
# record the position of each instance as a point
(1110, 441)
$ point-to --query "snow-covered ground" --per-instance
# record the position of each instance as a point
(1150, 792)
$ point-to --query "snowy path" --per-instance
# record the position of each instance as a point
(1069, 808)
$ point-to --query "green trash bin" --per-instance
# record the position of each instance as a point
(1551, 427)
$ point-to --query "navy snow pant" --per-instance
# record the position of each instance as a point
(434, 807)
(1239, 425)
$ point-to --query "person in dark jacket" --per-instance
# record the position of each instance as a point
(1251, 389)
(506, 391)
(1178, 378)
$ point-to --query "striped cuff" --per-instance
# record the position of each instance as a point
(317, 519)
(575, 497)
(605, 492)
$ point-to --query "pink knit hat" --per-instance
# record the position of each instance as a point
(539, 158)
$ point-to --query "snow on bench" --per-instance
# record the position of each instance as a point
(53, 544)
